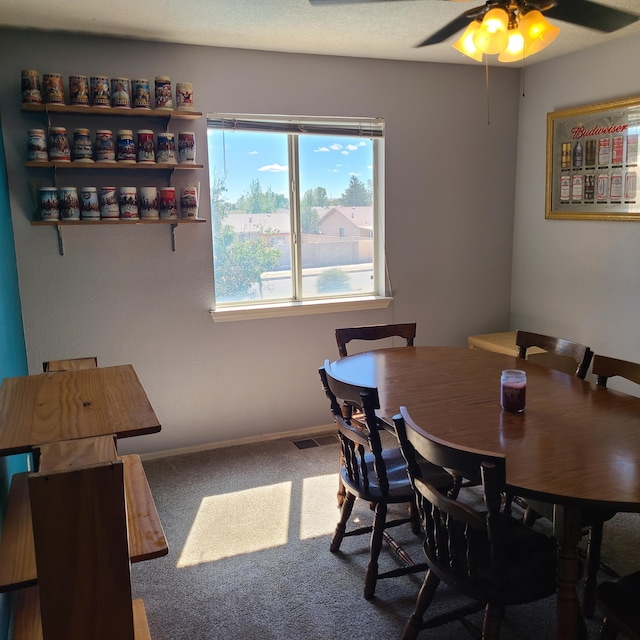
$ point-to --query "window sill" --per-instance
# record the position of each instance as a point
(280, 310)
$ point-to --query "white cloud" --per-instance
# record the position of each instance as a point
(273, 168)
(352, 147)
(321, 150)
(344, 153)
(253, 153)
(336, 147)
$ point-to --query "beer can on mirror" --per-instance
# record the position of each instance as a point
(89, 204)
(79, 91)
(187, 147)
(184, 96)
(99, 91)
(37, 146)
(30, 84)
(164, 97)
(189, 202)
(149, 203)
(109, 208)
(168, 204)
(125, 146)
(59, 149)
(140, 94)
(105, 146)
(128, 201)
(120, 93)
(144, 145)
(53, 88)
(69, 203)
(49, 203)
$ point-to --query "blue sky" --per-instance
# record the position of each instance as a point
(325, 161)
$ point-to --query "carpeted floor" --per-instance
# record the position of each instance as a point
(249, 529)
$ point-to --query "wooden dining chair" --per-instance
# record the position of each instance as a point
(618, 602)
(579, 357)
(369, 332)
(564, 355)
(483, 553)
(375, 332)
(605, 367)
(375, 475)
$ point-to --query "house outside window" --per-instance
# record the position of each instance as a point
(297, 211)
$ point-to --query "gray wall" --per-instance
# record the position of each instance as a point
(576, 279)
(121, 294)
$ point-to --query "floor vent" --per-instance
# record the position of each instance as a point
(305, 444)
(320, 441)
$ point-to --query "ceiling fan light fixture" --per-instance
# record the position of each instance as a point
(465, 43)
(491, 37)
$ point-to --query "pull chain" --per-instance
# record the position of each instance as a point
(486, 64)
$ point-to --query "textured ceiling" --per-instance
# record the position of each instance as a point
(387, 30)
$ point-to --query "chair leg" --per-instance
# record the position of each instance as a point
(493, 615)
(425, 596)
(377, 538)
(341, 527)
(594, 544)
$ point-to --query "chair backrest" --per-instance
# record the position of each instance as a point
(568, 356)
(464, 546)
(356, 437)
(375, 332)
(605, 368)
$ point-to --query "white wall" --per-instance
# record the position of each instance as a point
(122, 295)
(577, 279)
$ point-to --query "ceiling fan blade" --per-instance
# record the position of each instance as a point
(589, 14)
(457, 24)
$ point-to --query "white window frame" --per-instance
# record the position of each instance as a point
(295, 125)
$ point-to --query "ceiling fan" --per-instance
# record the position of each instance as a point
(584, 13)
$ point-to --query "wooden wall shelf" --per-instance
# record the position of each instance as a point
(112, 111)
(113, 166)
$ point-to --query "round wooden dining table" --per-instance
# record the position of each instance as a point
(575, 444)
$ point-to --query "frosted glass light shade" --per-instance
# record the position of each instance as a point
(537, 32)
(515, 49)
(465, 43)
(492, 36)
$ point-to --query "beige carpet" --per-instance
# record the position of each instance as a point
(249, 529)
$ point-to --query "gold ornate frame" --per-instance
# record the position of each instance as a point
(592, 162)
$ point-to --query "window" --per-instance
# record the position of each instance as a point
(296, 210)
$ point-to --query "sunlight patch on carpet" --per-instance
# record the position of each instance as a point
(238, 523)
(319, 512)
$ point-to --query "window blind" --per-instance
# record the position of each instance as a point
(356, 127)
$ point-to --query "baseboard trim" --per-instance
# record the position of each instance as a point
(282, 435)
